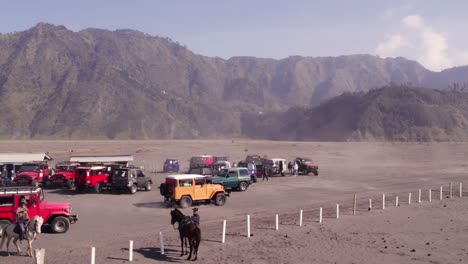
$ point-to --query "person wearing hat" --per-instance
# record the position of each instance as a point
(22, 217)
(196, 216)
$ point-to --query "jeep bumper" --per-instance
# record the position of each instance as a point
(73, 219)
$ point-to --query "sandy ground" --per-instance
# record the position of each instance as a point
(429, 232)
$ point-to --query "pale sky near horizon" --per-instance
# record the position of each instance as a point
(431, 32)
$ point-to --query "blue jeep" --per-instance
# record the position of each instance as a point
(171, 165)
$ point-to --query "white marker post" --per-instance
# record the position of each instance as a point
(383, 200)
(276, 226)
(224, 232)
(370, 205)
(130, 251)
(300, 218)
(419, 196)
(354, 205)
(430, 195)
(441, 189)
(161, 242)
(396, 201)
(409, 198)
(248, 225)
(451, 184)
(337, 211)
(320, 215)
(461, 193)
(93, 255)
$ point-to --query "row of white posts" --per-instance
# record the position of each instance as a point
(161, 238)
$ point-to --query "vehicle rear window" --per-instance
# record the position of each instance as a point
(6, 201)
(244, 172)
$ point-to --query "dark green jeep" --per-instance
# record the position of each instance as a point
(130, 179)
(233, 178)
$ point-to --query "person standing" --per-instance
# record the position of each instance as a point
(296, 168)
(290, 168)
(281, 168)
(265, 172)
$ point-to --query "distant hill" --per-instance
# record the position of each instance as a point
(56, 83)
(392, 113)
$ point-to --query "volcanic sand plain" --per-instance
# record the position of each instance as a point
(426, 232)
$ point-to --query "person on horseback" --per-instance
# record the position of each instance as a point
(196, 217)
(22, 217)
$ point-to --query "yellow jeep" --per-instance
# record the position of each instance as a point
(186, 188)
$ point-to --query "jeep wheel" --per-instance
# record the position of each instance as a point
(148, 186)
(306, 172)
(243, 186)
(185, 201)
(70, 184)
(60, 225)
(133, 189)
(3, 223)
(35, 183)
(316, 173)
(220, 199)
(97, 188)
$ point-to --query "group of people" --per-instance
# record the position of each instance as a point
(293, 168)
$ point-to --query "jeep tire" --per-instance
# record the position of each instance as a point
(133, 189)
(35, 183)
(60, 224)
(163, 189)
(220, 199)
(97, 188)
(70, 184)
(185, 201)
(316, 173)
(148, 186)
(243, 186)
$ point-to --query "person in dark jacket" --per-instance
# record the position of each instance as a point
(196, 217)
(265, 173)
(290, 168)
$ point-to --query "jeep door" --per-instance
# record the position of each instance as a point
(200, 189)
(232, 179)
(32, 205)
(141, 179)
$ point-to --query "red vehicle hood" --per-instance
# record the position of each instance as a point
(67, 173)
(28, 174)
(54, 205)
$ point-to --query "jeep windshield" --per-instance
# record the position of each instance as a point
(30, 167)
(64, 168)
(223, 173)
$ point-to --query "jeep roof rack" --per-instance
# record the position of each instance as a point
(19, 190)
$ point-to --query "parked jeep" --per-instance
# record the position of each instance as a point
(32, 174)
(204, 170)
(95, 177)
(171, 165)
(64, 175)
(187, 188)
(130, 179)
(251, 167)
(57, 215)
(233, 178)
(306, 166)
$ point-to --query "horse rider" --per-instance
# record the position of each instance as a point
(196, 217)
(22, 217)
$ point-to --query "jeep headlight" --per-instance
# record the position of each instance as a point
(68, 210)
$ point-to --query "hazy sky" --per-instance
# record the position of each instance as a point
(432, 32)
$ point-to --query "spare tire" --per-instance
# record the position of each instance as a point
(163, 189)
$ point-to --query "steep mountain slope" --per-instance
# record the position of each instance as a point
(55, 83)
(392, 113)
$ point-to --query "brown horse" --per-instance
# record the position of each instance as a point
(188, 230)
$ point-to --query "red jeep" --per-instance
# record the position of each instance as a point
(95, 177)
(32, 174)
(64, 175)
(57, 215)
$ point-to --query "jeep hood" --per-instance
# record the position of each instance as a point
(55, 205)
(28, 173)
